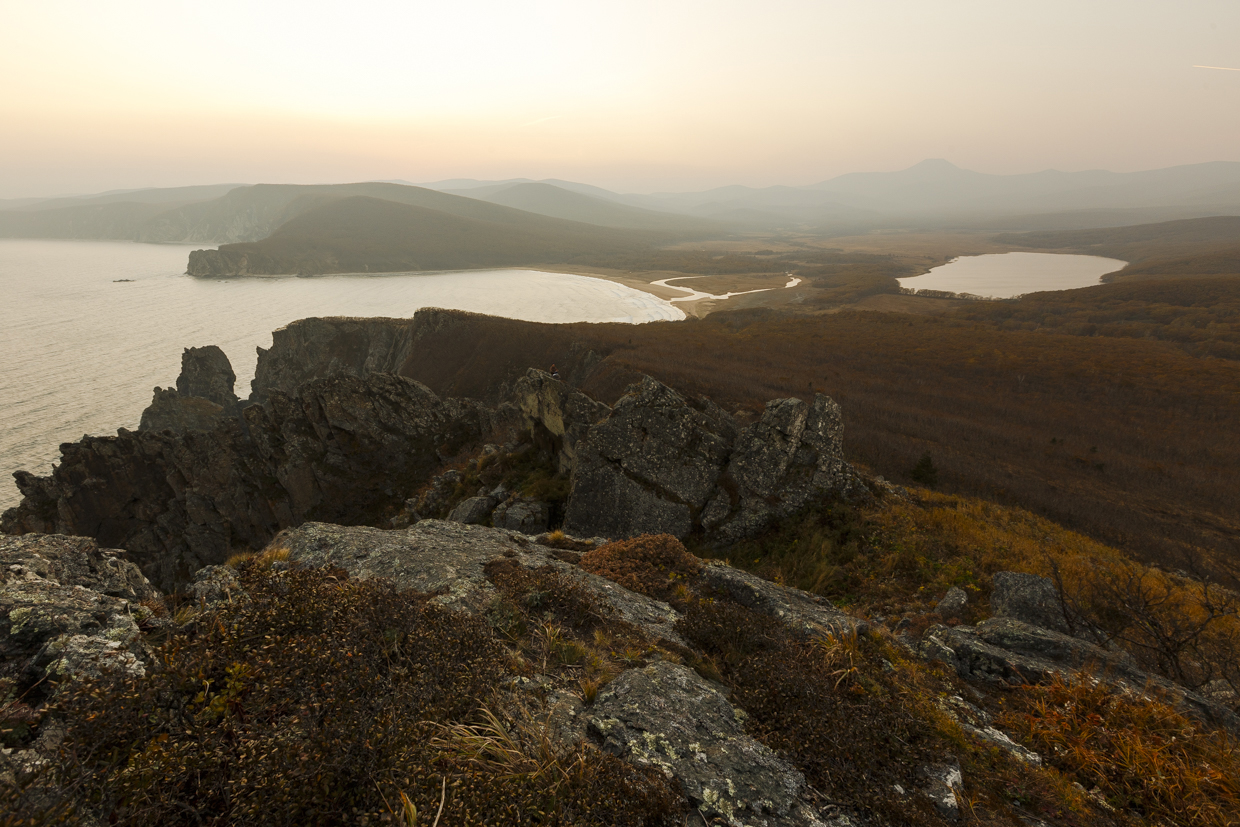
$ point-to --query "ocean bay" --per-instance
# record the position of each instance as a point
(88, 328)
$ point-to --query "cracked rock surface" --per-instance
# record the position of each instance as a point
(667, 716)
(440, 556)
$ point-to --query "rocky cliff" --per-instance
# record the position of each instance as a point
(344, 449)
(334, 437)
(338, 346)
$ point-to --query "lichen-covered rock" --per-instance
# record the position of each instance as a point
(779, 464)
(449, 559)
(215, 584)
(661, 463)
(667, 716)
(942, 783)
(73, 561)
(523, 514)
(648, 468)
(809, 613)
(1029, 599)
(953, 603)
(67, 608)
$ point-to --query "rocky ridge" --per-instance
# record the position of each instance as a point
(204, 477)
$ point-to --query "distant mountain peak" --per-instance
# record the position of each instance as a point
(933, 164)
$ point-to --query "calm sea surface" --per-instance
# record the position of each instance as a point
(80, 352)
(1005, 275)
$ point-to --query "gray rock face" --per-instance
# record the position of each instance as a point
(338, 346)
(67, 609)
(473, 511)
(1029, 599)
(953, 603)
(660, 463)
(206, 373)
(667, 716)
(345, 449)
(649, 467)
(803, 611)
(450, 558)
(522, 514)
(170, 411)
(557, 413)
(73, 561)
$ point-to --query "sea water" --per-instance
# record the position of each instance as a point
(89, 328)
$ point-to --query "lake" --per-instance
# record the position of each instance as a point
(82, 351)
(1005, 275)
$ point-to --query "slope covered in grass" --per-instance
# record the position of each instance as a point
(369, 235)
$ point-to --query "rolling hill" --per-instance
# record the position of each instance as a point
(362, 234)
(556, 202)
(1191, 247)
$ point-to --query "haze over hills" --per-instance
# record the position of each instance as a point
(1171, 249)
(368, 234)
(933, 194)
(557, 202)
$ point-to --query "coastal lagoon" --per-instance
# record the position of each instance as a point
(1005, 275)
(88, 328)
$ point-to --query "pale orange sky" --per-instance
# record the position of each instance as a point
(634, 96)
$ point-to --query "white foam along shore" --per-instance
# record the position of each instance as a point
(695, 295)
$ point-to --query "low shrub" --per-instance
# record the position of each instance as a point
(653, 564)
(317, 701)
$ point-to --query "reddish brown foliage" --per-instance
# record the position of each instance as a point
(1132, 441)
(649, 564)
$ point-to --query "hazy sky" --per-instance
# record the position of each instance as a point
(635, 96)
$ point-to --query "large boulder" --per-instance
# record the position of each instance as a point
(790, 456)
(661, 463)
(1029, 599)
(556, 414)
(667, 716)
(523, 514)
(649, 467)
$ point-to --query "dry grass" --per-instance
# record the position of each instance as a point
(1138, 753)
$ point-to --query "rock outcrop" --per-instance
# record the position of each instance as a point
(204, 394)
(661, 463)
(339, 346)
(450, 559)
(206, 373)
(667, 716)
(170, 411)
(344, 449)
(67, 609)
(1004, 650)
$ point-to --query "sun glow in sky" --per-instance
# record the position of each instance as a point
(634, 95)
